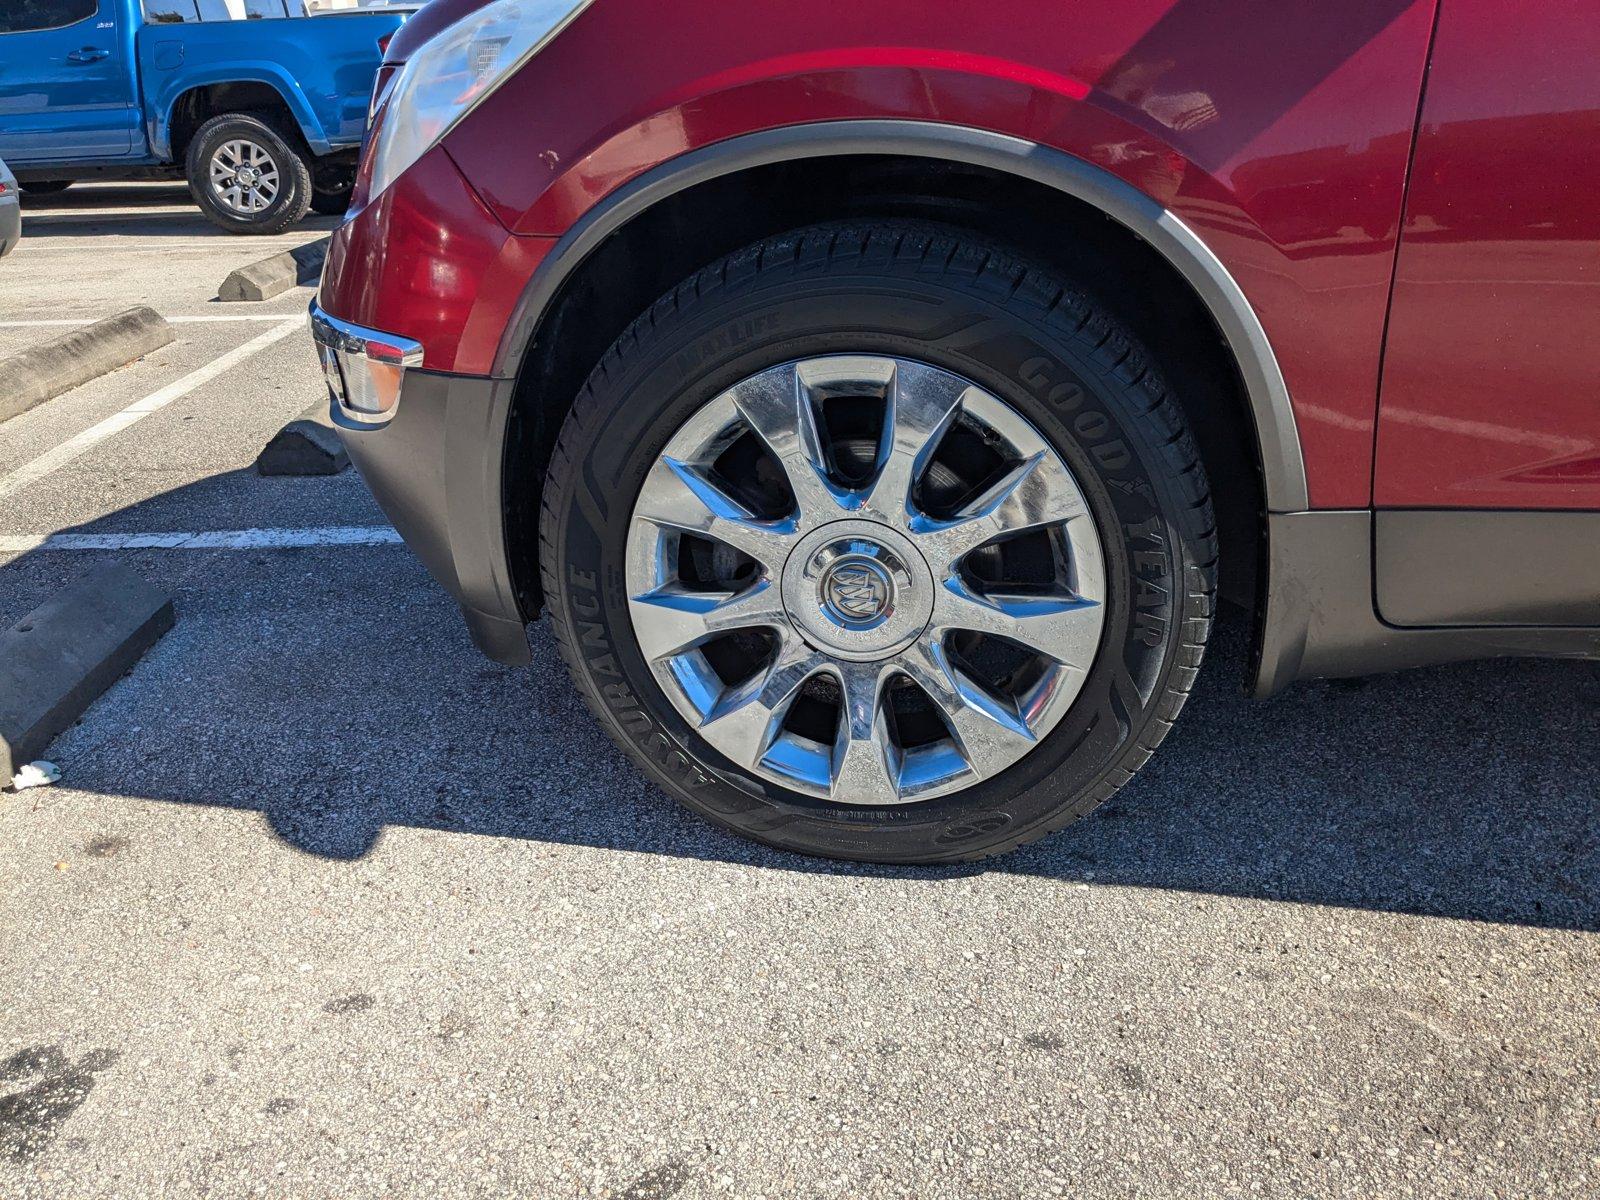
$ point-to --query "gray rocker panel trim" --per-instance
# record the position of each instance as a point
(1318, 617)
(1283, 467)
(1481, 567)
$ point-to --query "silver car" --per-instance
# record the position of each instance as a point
(10, 211)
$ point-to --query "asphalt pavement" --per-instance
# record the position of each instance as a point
(326, 904)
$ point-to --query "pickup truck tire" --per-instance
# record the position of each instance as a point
(46, 187)
(249, 173)
(862, 320)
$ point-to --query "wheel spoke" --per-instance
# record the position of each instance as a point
(1036, 493)
(920, 407)
(681, 496)
(865, 770)
(990, 732)
(671, 620)
(745, 721)
(1066, 629)
(780, 410)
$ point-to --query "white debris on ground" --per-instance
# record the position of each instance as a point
(36, 774)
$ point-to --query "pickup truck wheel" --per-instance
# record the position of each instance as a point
(875, 542)
(248, 175)
(46, 187)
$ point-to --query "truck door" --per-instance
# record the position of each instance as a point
(66, 82)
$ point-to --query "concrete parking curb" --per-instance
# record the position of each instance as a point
(307, 445)
(39, 373)
(58, 659)
(275, 275)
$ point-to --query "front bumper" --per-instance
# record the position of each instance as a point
(433, 461)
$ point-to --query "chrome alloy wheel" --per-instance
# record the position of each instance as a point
(244, 176)
(865, 579)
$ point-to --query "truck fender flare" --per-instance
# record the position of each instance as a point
(293, 96)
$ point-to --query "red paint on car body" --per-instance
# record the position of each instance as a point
(1489, 392)
(1280, 133)
(427, 260)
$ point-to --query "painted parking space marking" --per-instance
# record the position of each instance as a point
(215, 539)
(32, 247)
(191, 319)
(75, 447)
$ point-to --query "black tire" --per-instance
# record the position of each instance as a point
(46, 187)
(958, 302)
(331, 204)
(288, 154)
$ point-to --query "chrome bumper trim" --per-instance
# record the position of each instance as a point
(364, 367)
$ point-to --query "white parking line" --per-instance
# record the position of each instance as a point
(31, 246)
(196, 319)
(74, 447)
(216, 539)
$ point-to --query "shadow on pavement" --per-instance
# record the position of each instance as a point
(336, 693)
(81, 211)
(82, 196)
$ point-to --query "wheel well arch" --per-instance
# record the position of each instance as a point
(1129, 252)
(197, 105)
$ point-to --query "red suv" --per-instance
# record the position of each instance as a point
(878, 397)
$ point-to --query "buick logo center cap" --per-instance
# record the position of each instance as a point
(858, 591)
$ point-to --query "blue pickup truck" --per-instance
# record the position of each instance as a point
(259, 104)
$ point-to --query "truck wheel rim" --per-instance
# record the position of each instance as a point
(865, 579)
(244, 176)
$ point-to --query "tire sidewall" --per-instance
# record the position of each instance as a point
(1034, 361)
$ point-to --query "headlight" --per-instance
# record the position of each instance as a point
(456, 71)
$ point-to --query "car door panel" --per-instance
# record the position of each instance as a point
(1490, 393)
